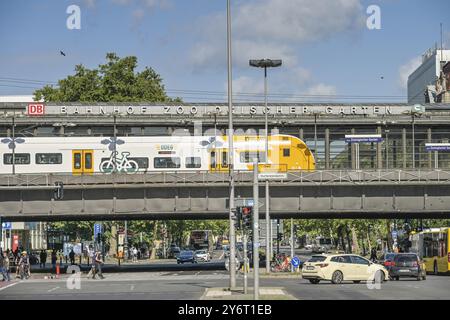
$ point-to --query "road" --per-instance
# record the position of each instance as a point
(191, 285)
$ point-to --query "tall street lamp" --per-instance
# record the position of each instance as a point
(416, 111)
(266, 63)
(232, 209)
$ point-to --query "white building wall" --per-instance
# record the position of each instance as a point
(426, 74)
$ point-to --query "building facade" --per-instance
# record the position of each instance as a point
(424, 78)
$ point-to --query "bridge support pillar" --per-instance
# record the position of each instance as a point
(379, 154)
(327, 149)
(404, 147)
(430, 154)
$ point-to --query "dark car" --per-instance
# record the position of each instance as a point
(405, 265)
(174, 252)
(186, 256)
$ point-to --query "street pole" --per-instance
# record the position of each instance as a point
(266, 125)
(14, 146)
(244, 240)
(230, 156)
(278, 239)
(292, 243)
(413, 144)
(126, 240)
(436, 160)
(387, 148)
(315, 136)
(255, 230)
(115, 143)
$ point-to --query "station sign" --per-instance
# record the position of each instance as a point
(272, 176)
(207, 110)
(363, 138)
(6, 225)
(36, 109)
(97, 229)
(437, 147)
(242, 202)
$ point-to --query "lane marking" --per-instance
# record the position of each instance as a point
(132, 287)
(9, 285)
(51, 290)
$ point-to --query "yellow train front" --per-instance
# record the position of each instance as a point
(285, 153)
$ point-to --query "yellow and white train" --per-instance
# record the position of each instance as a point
(89, 155)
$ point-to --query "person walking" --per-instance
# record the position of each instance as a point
(42, 258)
(72, 257)
(5, 267)
(54, 258)
(98, 265)
(373, 254)
(134, 254)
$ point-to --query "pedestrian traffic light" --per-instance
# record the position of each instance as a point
(238, 218)
(247, 217)
(280, 236)
(8, 233)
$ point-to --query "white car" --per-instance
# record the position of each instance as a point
(343, 267)
(202, 255)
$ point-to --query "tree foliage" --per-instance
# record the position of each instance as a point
(115, 81)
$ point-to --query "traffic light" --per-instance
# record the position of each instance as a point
(247, 217)
(58, 193)
(238, 218)
(279, 236)
(8, 233)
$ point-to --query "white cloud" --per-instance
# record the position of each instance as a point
(272, 29)
(246, 84)
(405, 70)
(321, 90)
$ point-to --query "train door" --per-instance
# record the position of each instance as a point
(82, 161)
(219, 160)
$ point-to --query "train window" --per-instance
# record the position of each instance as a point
(88, 160)
(77, 160)
(248, 156)
(142, 162)
(224, 159)
(19, 158)
(286, 152)
(213, 159)
(164, 163)
(48, 158)
(193, 162)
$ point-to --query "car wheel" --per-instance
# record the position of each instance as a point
(357, 281)
(337, 277)
(435, 269)
(314, 281)
(397, 278)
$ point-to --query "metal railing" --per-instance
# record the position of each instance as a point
(206, 178)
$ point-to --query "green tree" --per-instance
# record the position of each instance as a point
(115, 81)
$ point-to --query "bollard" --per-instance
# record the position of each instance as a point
(57, 270)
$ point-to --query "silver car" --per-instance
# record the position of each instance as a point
(202, 255)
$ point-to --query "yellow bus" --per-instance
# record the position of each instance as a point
(433, 246)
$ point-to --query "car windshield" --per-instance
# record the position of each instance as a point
(186, 253)
(201, 252)
(317, 259)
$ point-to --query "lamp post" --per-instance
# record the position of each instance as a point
(416, 111)
(266, 63)
(232, 209)
(387, 131)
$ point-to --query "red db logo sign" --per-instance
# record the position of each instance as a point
(36, 109)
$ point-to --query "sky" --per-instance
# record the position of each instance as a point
(328, 52)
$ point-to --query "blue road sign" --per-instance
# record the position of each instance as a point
(394, 234)
(6, 225)
(97, 229)
(437, 147)
(295, 261)
(376, 138)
